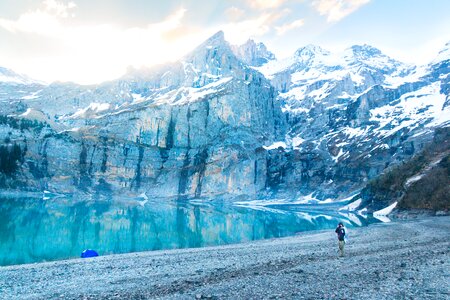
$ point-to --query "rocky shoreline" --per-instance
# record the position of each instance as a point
(399, 260)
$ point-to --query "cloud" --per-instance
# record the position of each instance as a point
(172, 22)
(336, 10)
(265, 4)
(58, 8)
(96, 52)
(92, 53)
(233, 13)
(239, 32)
(38, 22)
(289, 26)
(46, 21)
(50, 22)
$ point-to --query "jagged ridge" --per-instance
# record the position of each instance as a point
(204, 126)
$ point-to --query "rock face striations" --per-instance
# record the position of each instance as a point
(224, 121)
(194, 128)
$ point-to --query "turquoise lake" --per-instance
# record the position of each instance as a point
(35, 230)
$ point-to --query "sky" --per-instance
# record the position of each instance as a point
(90, 41)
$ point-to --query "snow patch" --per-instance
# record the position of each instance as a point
(308, 199)
(32, 96)
(354, 132)
(294, 111)
(93, 108)
(187, 95)
(351, 206)
(414, 108)
(353, 218)
(356, 78)
(413, 179)
(13, 79)
(276, 145)
(32, 114)
(394, 80)
(137, 98)
(321, 93)
(363, 212)
(26, 113)
(311, 218)
(296, 142)
(341, 153)
(385, 211)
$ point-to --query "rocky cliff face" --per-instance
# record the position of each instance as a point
(191, 129)
(253, 54)
(225, 121)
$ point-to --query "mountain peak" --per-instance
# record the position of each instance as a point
(249, 43)
(253, 54)
(310, 51)
(369, 56)
(216, 39)
(365, 50)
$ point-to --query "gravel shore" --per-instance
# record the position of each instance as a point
(398, 260)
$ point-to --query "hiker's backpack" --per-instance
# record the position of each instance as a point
(341, 233)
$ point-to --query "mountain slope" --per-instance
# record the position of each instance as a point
(194, 128)
(8, 76)
(351, 115)
(420, 183)
(228, 121)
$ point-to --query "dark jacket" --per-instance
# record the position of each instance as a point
(340, 230)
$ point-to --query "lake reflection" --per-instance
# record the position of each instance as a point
(34, 230)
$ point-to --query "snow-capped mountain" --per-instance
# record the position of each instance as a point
(359, 66)
(229, 120)
(10, 77)
(14, 88)
(201, 72)
(352, 114)
(194, 128)
(253, 54)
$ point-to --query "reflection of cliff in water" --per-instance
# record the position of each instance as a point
(33, 230)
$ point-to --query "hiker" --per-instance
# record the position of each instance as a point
(340, 231)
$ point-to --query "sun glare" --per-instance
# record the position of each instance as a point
(62, 46)
(95, 53)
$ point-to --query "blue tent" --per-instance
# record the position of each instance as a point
(88, 253)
